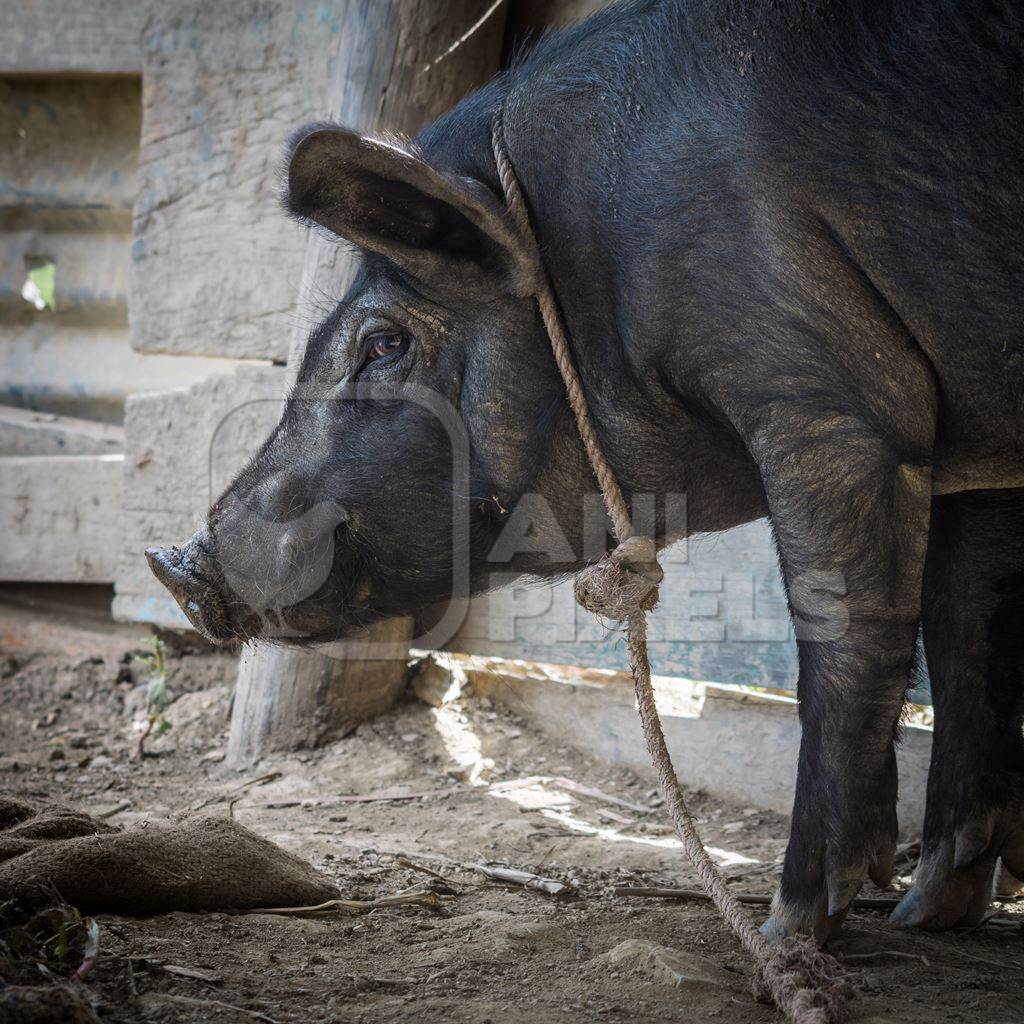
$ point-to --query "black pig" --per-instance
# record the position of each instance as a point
(787, 241)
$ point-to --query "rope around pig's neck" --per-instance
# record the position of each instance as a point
(805, 983)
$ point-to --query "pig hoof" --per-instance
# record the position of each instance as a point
(832, 848)
(959, 903)
(954, 882)
(788, 921)
(952, 886)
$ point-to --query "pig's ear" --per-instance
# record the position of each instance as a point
(385, 198)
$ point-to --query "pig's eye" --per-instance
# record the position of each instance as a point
(384, 345)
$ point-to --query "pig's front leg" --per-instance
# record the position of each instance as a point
(850, 511)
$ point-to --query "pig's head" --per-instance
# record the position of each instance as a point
(427, 405)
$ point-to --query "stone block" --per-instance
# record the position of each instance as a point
(59, 517)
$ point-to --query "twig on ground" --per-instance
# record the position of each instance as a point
(751, 898)
(528, 880)
(356, 798)
(197, 973)
(412, 866)
(598, 794)
(761, 900)
(420, 899)
(1000, 921)
(231, 794)
(191, 972)
(384, 796)
(886, 952)
(755, 899)
(560, 833)
(193, 1001)
(619, 819)
(1013, 965)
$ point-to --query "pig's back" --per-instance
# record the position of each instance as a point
(906, 136)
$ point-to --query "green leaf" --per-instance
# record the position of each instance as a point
(40, 287)
(156, 695)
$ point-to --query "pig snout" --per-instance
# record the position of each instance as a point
(251, 575)
(195, 582)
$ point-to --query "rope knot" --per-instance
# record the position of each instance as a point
(802, 980)
(623, 582)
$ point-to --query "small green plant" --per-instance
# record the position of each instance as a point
(156, 695)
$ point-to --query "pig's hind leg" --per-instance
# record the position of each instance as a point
(974, 642)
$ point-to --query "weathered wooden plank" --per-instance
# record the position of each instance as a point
(59, 517)
(215, 265)
(293, 700)
(72, 36)
(225, 86)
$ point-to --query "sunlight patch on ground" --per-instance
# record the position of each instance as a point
(554, 805)
(464, 748)
(462, 743)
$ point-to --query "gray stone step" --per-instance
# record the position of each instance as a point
(26, 432)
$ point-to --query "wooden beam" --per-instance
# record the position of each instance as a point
(387, 75)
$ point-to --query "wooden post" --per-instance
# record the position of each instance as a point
(402, 63)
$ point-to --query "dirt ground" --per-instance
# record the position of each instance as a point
(478, 787)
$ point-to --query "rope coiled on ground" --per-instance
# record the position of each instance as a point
(805, 983)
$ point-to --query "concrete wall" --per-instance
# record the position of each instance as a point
(734, 743)
(70, 128)
(722, 616)
(25, 432)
